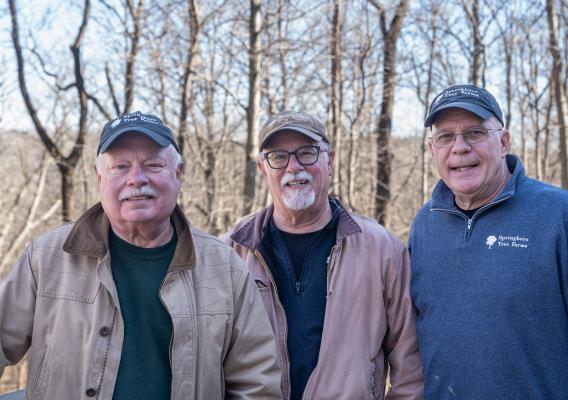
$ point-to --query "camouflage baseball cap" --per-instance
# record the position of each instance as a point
(297, 121)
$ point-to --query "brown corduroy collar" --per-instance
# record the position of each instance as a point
(89, 236)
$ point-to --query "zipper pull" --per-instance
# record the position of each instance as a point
(469, 221)
(298, 287)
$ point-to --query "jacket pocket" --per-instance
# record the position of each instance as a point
(38, 388)
(261, 285)
(79, 288)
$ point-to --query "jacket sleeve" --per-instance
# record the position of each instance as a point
(251, 366)
(401, 343)
(17, 305)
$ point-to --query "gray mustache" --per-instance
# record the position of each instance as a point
(300, 175)
(141, 191)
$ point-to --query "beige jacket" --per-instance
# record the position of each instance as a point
(369, 319)
(60, 302)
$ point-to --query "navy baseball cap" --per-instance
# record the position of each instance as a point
(467, 97)
(150, 125)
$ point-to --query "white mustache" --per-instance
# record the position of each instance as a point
(288, 177)
(136, 192)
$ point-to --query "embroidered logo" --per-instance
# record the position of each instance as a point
(115, 123)
(516, 241)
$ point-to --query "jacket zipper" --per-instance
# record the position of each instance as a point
(170, 314)
(330, 268)
(105, 357)
(470, 220)
(267, 270)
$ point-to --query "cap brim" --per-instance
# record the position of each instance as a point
(294, 128)
(156, 137)
(481, 112)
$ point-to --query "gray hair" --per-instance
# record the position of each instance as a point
(174, 156)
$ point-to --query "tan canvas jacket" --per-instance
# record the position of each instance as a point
(369, 318)
(60, 301)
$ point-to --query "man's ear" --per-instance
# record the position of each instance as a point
(261, 166)
(180, 169)
(505, 140)
(330, 161)
(97, 174)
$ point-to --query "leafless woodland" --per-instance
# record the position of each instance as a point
(214, 70)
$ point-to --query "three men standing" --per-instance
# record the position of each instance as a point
(489, 263)
(335, 285)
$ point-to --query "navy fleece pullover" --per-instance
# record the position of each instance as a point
(492, 293)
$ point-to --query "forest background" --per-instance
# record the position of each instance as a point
(215, 70)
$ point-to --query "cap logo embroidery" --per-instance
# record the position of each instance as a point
(460, 91)
(116, 123)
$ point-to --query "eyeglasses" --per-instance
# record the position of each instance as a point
(306, 155)
(472, 136)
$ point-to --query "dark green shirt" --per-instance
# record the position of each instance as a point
(144, 371)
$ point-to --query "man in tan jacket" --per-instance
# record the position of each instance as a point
(335, 285)
(131, 302)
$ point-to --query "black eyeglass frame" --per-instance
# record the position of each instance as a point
(295, 153)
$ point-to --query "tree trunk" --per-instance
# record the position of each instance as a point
(383, 130)
(558, 92)
(253, 108)
(336, 93)
(136, 15)
(66, 164)
(67, 191)
(477, 45)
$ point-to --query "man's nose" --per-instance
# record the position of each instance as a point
(460, 144)
(136, 176)
(293, 164)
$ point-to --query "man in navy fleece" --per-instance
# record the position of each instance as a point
(489, 263)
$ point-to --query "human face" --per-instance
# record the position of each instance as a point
(138, 182)
(475, 173)
(297, 187)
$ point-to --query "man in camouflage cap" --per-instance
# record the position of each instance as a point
(335, 285)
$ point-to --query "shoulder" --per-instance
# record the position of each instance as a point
(207, 244)
(543, 191)
(423, 212)
(374, 234)
(544, 198)
(51, 239)
(243, 223)
(58, 233)
(211, 252)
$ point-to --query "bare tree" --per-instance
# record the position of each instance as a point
(337, 91)
(391, 32)
(65, 164)
(253, 107)
(559, 91)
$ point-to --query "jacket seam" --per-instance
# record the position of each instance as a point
(398, 261)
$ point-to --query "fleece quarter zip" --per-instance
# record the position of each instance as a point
(491, 293)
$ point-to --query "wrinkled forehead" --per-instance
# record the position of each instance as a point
(455, 118)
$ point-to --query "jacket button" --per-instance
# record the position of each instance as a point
(91, 392)
(104, 331)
